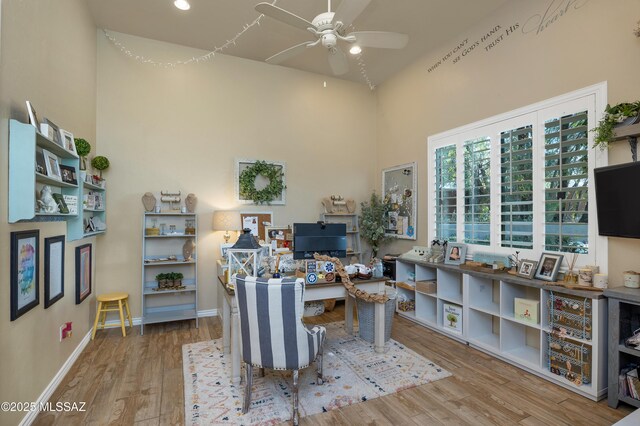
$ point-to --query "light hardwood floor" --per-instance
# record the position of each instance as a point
(138, 380)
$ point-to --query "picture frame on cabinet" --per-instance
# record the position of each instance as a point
(33, 117)
(548, 266)
(456, 254)
(62, 205)
(52, 165)
(68, 174)
(41, 165)
(25, 272)
(51, 130)
(83, 272)
(223, 250)
(53, 269)
(68, 142)
(527, 268)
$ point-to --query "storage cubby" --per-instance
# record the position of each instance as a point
(521, 342)
(450, 286)
(426, 308)
(484, 329)
(484, 294)
(425, 273)
(509, 292)
(405, 272)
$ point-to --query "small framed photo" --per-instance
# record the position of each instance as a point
(62, 204)
(41, 165)
(68, 174)
(33, 117)
(52, 164)
(53, 270)
(548, 266)
(68, 142)
(527, 268)
(223, 250)
(52, 131)
(25, 275)
(456, 254)
(83, 272)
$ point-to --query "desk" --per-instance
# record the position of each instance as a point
(231, 326)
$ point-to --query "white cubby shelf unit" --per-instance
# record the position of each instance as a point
(489, 322)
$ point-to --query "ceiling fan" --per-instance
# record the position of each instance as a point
(329, 27)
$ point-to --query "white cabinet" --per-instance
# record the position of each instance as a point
(165, 237)
(492, 323)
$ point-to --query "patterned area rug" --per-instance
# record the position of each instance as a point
(353, 373)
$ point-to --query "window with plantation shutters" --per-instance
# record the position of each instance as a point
(566, 172)
(519, 182)
(477, 191)
(516, 188)
(446, 204)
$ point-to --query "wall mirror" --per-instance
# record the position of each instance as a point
(399, 193)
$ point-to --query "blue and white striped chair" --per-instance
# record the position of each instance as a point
(272, 334)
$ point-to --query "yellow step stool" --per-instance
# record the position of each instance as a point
(111, 302)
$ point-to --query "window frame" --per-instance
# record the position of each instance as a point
(593, 99)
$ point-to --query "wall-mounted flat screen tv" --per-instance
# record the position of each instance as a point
(323, 238)
(618, 200)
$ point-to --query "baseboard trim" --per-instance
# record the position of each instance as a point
(138, 320)
(53, 385)
(208, 313)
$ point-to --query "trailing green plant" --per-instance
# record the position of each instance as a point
(247, 182)
(100, 163)
(83, 148)
(613, 115)
(372, 222)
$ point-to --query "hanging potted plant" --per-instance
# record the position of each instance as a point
(622, 114)
(83, 148)
(372, 223)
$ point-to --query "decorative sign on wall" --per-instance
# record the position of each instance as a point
(260, 182)
(553, 11)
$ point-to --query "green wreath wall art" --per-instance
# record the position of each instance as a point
(272, 172)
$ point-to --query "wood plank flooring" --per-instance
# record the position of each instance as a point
(138, 380)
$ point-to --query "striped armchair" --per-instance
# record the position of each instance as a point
(272, 334)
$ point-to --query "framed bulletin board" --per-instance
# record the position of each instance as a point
(257, 222)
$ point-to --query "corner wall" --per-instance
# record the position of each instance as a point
(558, 46)
(48, 56)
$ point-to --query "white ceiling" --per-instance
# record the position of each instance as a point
(210, 23)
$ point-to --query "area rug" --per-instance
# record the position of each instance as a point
(353, 373)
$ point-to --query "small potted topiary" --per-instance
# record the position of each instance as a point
(162, 280)
(177, 279)
(100, 163)
(83, 148)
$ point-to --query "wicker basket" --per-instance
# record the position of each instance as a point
(366, 317)
(407, 305)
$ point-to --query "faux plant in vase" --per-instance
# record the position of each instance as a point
(83, 148)
(100, 163)
(624, 113)
(372, 223)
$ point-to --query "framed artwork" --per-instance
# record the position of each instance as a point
(256, 180)
(527, 268)
(257, 222)
(83, 272)
(68, 142)
(277, 236)
(266, 250)
(223, 250)
(399, 184)
(33, 117)
(68, 174)
(455, 254)
(52, 165)
(548, 266)
(53, 270)
(25, 272)
(62, 204)
(41, 166)
(54, 131)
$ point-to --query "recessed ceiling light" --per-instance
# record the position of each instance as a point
(355, 50)
(182, 4)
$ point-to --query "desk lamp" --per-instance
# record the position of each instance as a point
(226, 220)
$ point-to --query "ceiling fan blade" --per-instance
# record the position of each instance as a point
(338, 61)
(289, 53)
(283, 16)
(349, 10)
(380, 39)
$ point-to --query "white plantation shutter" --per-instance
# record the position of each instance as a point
(446, 205)
(566, 172)
(516, 188)
(477, 191)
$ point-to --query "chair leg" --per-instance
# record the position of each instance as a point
(296, 416)
(126, 305)
(95, 323)
(261, 372)
(319, 365)
(248, 382)
(124, 331)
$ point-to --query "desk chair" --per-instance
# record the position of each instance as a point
(272, 334)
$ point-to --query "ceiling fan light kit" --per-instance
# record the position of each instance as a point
(182, 4)
(329, 28)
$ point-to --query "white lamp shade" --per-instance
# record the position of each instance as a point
(226, 220)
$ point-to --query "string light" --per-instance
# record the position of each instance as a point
(231, 42)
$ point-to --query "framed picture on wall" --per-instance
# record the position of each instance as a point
(83, 272)
(25, 272)
(399, 185)
(53, 269)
